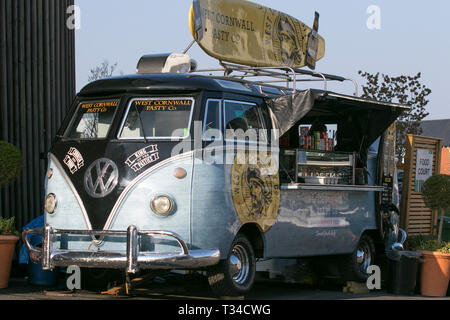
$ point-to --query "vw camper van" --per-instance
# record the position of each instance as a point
(193, 171)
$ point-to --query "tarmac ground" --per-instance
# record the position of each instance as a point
(173, 286)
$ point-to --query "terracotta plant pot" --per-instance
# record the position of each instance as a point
(435, 274)
(7, 244)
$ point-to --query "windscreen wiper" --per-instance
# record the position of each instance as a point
(142, 123)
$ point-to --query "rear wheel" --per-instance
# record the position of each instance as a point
(235, 275)
(354, 266)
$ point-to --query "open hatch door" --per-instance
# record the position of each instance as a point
(360, 121)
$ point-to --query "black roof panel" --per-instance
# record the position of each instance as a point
(159, 82)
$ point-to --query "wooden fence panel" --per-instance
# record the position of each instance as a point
(416, 218)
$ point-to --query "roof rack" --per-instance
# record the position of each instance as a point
(269, 76)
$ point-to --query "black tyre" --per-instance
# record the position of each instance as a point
(354, 266)
(235, 275)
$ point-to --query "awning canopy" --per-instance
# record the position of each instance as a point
(364, 119)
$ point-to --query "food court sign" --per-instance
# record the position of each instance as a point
(424, 167)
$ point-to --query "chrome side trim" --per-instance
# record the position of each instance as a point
(330, 187)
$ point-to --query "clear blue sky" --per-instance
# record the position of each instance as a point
(414, 37)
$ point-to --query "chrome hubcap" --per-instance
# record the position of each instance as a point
(239, 264)
(364, 257)
(235, 265)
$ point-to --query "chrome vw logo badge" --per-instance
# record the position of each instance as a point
(101, 178)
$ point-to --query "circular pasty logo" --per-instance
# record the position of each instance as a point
(101, 178)
(287, 37)
(255, 187)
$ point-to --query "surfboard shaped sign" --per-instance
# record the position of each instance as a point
(243, 32)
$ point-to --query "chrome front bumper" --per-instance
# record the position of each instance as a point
(132, 261)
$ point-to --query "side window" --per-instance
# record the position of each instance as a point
(212, 125)
(375, 146)
(244, 116)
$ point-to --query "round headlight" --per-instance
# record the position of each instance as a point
(161, 205)
(50, 203)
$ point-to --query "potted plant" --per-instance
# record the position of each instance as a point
(8, 238)
(435, 274)
(10, 168)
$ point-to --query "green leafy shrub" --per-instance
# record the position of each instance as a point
(7, 227)
(445, 249)
(427, 243)
(10, 163)
(436, 192)
(434, 245)
(436, 195)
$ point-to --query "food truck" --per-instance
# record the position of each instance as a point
(174, 168)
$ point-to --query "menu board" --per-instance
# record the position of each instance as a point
(424, 167)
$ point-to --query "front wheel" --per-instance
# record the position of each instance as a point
(354, 266)
(235, 275)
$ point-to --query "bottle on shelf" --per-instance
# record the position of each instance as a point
(316, 140)
(324, 141)
(330, 145)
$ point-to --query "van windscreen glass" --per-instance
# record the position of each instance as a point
(158, 118)
(93, 120)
